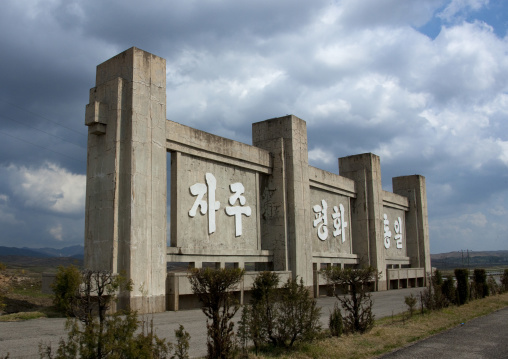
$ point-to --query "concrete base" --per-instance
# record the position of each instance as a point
(143, 304)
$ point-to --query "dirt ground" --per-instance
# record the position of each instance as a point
(22, 293)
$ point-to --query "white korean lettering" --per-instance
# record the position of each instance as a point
(238, 189)
(388, 233)
(199, 190)
(320, 220)
(339, 223)
(397, 226)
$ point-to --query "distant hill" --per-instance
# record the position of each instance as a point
(73, 251)
(40, 264)
(41, 259)
(469, 259)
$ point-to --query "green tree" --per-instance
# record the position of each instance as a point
(493, 286)
(281, 316)
(433, 297)
(94, 334)
(263, 313)
(358, 303)
(410, 301)
(335, 321)
(182, 343)
(66, 288)
(448, 289)
(298, 317)
(213, 288)
(504, 281)
(481, 289)
(462, 276)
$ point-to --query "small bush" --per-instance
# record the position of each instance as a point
(335, 322)
(213, 288)
(281, 317)
(462, 276)
(357, 305)
(481, 289)
(298, 317)
(243, 332)
(504, 281)
(66, 288)
(182, 343)
(100, 335)
(437, 279)
(411, 302)
(448, 289)
(493, 286)
(262, 311)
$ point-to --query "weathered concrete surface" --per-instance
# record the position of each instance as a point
(290, 133)
(367, 211)
(480, 338)
(125, 219)
(231, 203)
(417, 221)
(21, 339)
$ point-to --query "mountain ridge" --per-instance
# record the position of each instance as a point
(76, 251)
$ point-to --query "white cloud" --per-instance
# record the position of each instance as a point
(48, 187)
(318, 155)
(498, 211)
(6, 215)
(456, 7)
(57, 232)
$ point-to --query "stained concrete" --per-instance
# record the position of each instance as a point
(232, 204)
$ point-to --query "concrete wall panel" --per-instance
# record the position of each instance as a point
(323, 237)
(193, 231)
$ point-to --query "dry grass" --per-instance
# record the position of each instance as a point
(18, 317)
(391, 333)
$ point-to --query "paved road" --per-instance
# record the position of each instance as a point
(21, 339)
(481, 338)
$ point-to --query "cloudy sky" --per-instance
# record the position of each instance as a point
(421, 83)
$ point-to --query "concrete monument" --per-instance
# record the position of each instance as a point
(259, 207)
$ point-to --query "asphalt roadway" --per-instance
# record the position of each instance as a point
(481, 338)
(21, 339)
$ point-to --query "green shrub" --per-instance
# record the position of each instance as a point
(298, 314)
(66, 288)
(481, 289)
(462, 276)
(493, 286)
(504, 281)
(102, 336)
(263, 309)
(448, 289)
(410, 301)
(437, 278)
(357, 305)
(335, 322)
(213, 288)
(243, 332)
(182, 343)
(281, 317)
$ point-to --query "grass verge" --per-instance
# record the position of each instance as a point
(391, 333)
(17, 317)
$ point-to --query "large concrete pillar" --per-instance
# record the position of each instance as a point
(417, 222)
(125, 222)
(286, 194)
(367, 210)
